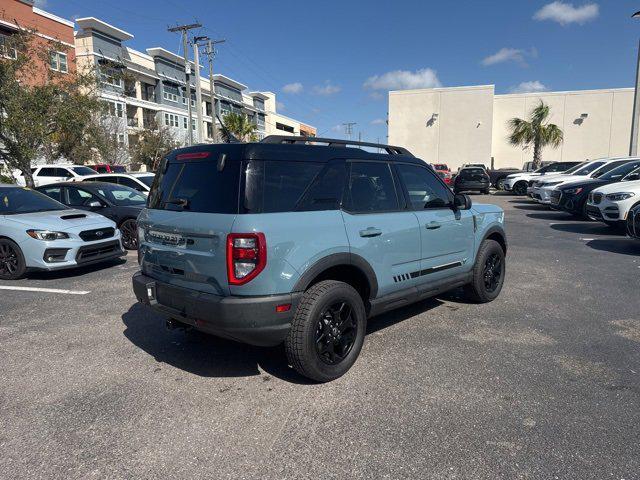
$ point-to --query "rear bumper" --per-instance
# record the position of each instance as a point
(251, 320)
(462, 186)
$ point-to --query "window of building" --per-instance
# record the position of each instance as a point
(116, 109)
(111, 76)
(285, 128)
(171, 120)
(425, 190)
(5, 50)
(184, 122)
(58, 62)
(371, 188)
(171, 93)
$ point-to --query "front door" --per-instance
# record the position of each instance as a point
(446, 234)
(379, 228)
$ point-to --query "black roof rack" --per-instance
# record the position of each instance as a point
(334, 142)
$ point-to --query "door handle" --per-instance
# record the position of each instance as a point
(371, 232)
(432, 225)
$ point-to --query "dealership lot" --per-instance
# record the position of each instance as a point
(543, 382)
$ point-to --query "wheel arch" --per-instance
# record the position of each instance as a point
(497, 234)
(347, 267)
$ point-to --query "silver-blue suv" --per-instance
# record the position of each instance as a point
(301, 240)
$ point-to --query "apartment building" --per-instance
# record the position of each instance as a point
(22, 15)
(147, 88)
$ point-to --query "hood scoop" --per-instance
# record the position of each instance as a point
(73, 216)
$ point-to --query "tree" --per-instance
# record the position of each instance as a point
(239, 126)
(536, 131)
(35, 118)
(152, 145)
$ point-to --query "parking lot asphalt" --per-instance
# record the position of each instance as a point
(544, 382)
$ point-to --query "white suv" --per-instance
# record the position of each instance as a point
(611, 203)
(518, 182)
(541, 189)
(47, 174)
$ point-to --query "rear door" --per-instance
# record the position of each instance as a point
(184, 228)
(48, 175)
(446, 234)
(379, 227)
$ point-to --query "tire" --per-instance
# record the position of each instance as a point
(481, 289)
(520, 188)
(486, 191)
(500, 184)
(129, 231)
(12, 264)
(316, 345)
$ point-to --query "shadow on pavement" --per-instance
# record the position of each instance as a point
(75, 272)
(209, 356)
(588, 228)
(552, 215)
(532, 206)
(624, 246)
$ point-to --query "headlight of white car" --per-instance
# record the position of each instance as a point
(616, 197)
(47, 235)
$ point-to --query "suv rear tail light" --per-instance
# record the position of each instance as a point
(192, 155)
(246, 256)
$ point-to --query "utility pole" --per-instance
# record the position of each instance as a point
(348, 128)
(210, 54)
(196, 60)
(187, 69)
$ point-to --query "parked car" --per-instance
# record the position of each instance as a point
(444, 172)
(38, 233)
(519, 182)
(106, 168)
(46, 174)
(572, 196)
(633, 222)
(140, 182)
(471, 178)
(116, 202)
(612, 203)
(541, 189)
(281, 241)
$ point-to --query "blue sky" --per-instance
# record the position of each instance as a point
(334, 61)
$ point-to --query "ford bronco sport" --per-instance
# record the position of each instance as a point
(301, 240)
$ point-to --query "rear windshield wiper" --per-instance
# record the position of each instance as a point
(181, 202)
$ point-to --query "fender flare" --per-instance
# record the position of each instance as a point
(490, 231)
(334, 260)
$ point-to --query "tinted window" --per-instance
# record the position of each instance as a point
(370, 188)
(620, 171)
(83, 170)
(121, 195)
(326, 190)
(472, 172)
(48, 172)
(118, 169)
(273, 186)
(22, 200)
(101, 169)
(575, 168)
(146, 179)
(53, 192)
(105, 178)
(63, 172)
(80, 198)
(555, 167)
(589, 168)
(609, 167)
(197, 186)
(129, 182)
(425, 190)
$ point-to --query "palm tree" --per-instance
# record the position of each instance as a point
(239, 126)
(536, 131)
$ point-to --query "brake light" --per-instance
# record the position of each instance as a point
(246, 256)
(192, 155)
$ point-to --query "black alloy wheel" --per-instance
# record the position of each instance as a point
(492, 272)
(520, 188)
(500, 184)
(12, 264)
(129, 232)
(336, 333)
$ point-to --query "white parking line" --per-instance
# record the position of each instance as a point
(45, 290)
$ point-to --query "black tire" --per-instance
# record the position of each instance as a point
(481, 289)
(12, 264)
(129, 231)
(486, 191)
(500, 184)
(520, 188)
(317, 345)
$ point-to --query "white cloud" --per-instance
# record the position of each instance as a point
(280, 106)
(293, 88)
(505, 55)
(327, 89)
(403, 80)
(529, 87)
(566, 13)
(378, 121)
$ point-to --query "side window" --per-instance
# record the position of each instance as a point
(53, 192)
(556, 167)
(80, 198)
(106, 178)
(63, 172)
(370, 188)
(425, 190)
(128, 182)
(326, 190)
(101, 169)
(48, 172)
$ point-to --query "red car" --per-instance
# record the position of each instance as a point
(443, 170)
(105, 168)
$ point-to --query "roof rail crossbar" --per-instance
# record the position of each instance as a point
(334, 142)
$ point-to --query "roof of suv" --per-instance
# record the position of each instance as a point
(292, 149)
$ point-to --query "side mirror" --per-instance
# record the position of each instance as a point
(94, 204)
(462, 201)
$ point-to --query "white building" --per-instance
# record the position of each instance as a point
(469, 124)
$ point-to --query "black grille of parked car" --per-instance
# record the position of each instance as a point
(95, 252)
(633, 223)
(97, 234)
(555, 195)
